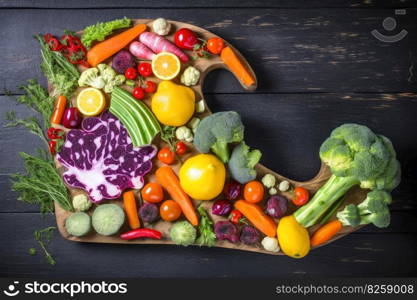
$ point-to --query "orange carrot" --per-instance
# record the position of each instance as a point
(230, 58)
(257, 217)
(167, 178)
(107, 48)
(325, 232)
(129, 204)
(59, 108)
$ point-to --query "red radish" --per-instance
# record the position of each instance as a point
(159, 44)
(141, 51)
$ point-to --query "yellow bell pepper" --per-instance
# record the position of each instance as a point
(173, 104)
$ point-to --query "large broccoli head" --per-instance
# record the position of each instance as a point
(353, 150)
(216, 131)
(242, 163)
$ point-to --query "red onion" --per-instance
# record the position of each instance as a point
(221, 208)
(277, 206)
(232, 190)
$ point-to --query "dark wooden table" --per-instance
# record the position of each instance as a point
(318, 67)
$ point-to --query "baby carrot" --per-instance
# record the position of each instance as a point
(129, 204)
(59, 108)
(325, 232)
(257, 217)
(231, 60)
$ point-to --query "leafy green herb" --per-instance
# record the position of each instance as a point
(43, 237)
(207, 236)
(100, 31)
(168, 136)
(60, 73)
(42, 184)
(32, 251)
(30, 123)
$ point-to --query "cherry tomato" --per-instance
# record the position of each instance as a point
(150, 86)
(253, 191)
(138, 93)
(301, 196)
(145, 69)
(170, 210)
(180, 148)
(166, 156)
(131, 73)
(186, 39)
(215, 45)
(152, 192)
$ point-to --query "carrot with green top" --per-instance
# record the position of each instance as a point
(107, 48)
(325, 233)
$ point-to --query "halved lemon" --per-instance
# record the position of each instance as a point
(91, 101)
(166, 66)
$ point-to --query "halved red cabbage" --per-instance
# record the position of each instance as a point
(101, 160)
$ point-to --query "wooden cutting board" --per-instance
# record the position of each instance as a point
(205, 65)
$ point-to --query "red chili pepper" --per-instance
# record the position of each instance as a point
(52, 147)
(54, 44)
(141, 233)
(235, 216)
(47, 37)
(54, 133)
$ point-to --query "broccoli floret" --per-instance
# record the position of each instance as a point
(375, 201)
(242, 163)
(380, 219)
(355, 156)
(216, 131)
(349, 216)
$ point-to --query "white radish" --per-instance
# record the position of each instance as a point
(159, 44)
(141, 51)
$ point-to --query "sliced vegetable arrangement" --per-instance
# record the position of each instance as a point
(128, 131)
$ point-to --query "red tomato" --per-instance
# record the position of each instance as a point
(301, 196)
(186, 39)
(215, 45)
(170, 210)
(138, 93)
(145, 69)
(152, 192)
(150, 86)
(253, 191)
(180, 148)
(131, 73)
(166, 156)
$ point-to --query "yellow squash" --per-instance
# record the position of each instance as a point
(293, 238)
(173, 104)
(202, 176)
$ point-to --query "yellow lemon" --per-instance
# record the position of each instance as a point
(173, 104)
(91, 101)
(293, 238)
(202, 176)
(166, 66)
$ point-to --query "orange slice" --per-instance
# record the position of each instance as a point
(166, 66)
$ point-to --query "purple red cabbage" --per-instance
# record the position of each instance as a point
(101, 160)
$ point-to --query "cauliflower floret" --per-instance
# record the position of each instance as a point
(184, 133)
(269, 180)
(284, 186)
(270, 244)
(81, 202)
(161, 26)
(190, 76)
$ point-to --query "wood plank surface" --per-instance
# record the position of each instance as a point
(358, 254)
(291, 50)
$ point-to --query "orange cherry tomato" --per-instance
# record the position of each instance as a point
(253, 191)
(170, 210)
(215, 45)
(152, 192)
(301, 196)
(166, 156)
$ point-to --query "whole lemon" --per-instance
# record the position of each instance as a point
(202, 176)
(173, 104)
(293, 238)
